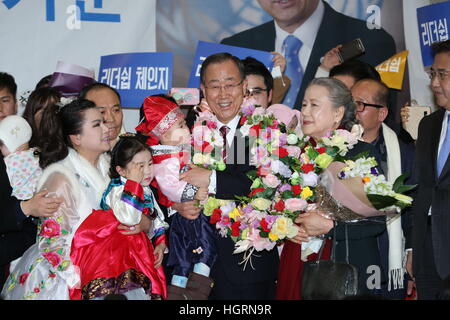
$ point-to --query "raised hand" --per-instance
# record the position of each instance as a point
(135, 172)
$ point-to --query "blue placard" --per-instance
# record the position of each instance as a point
(433, 24)
(205, 49)
(137, 75)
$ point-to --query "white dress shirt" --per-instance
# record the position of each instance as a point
(307, 33)
(232, 125)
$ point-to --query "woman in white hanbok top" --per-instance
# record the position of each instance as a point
(76, 169)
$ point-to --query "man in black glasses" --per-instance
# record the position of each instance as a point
(371, 98)
(259, 82)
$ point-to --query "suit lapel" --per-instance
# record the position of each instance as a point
(435, 134)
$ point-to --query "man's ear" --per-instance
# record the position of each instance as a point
(244, 86)
(382, 114)
(202, 89)
(270, 95)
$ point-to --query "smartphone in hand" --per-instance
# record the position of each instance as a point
(351, 50)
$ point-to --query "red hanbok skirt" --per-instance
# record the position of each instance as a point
(111, 262)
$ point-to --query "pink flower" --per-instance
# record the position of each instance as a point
(202, 133)
(295, 204)
(53, 258)
(266, 135)
(50, 228)
(248, 107)
(271, 181)
(293, 151)
(348, 136)
(260, 156)
(211, 125)
(259, 243)
(23, 278)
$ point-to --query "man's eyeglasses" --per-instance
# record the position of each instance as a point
(255, 92)
(227, 87)
(361, 106)
(441, 74)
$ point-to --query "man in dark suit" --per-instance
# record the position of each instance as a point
(396, 158)
(431, 212)
(223, 84)
(322, 29)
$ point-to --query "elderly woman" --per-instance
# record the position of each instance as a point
(328, 105)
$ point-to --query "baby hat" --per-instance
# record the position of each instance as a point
(14, 132)
(160, 115)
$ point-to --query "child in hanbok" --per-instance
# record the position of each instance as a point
(110, 260)
(192, 250)
(22, 164)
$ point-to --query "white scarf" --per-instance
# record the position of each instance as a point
(394, 222)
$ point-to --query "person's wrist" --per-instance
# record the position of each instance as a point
(25, 208)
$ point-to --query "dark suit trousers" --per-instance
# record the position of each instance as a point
(428, 282)
(223, 290)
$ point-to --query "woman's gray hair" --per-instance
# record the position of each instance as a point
(340, 96)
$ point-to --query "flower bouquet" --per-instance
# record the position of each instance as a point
(293, 174)
(354, 190)
(207, 143)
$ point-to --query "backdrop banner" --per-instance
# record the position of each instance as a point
(433, 24)
(137, 75)
(36, 34)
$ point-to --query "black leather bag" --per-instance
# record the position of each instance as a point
(328, 279)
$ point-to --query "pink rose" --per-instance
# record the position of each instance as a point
(295, 204)
(260, 243)
(23, 278)
(53, 258)
(271, 181)
(50, 228)
(293, 151)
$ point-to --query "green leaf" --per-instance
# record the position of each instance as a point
(252, 174)
(243, 199)
(264, 234)
(313, 153)
(268, 193)
(381, 202)
(400, 187)
(287, 195)
(365, 154)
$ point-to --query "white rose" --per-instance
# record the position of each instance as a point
(292, 139)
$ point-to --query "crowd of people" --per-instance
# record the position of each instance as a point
(90, 211)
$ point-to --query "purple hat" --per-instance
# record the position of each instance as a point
(69, 79)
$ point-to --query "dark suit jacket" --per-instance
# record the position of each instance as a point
(335, 29)
(232, 182)
(432, 191)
